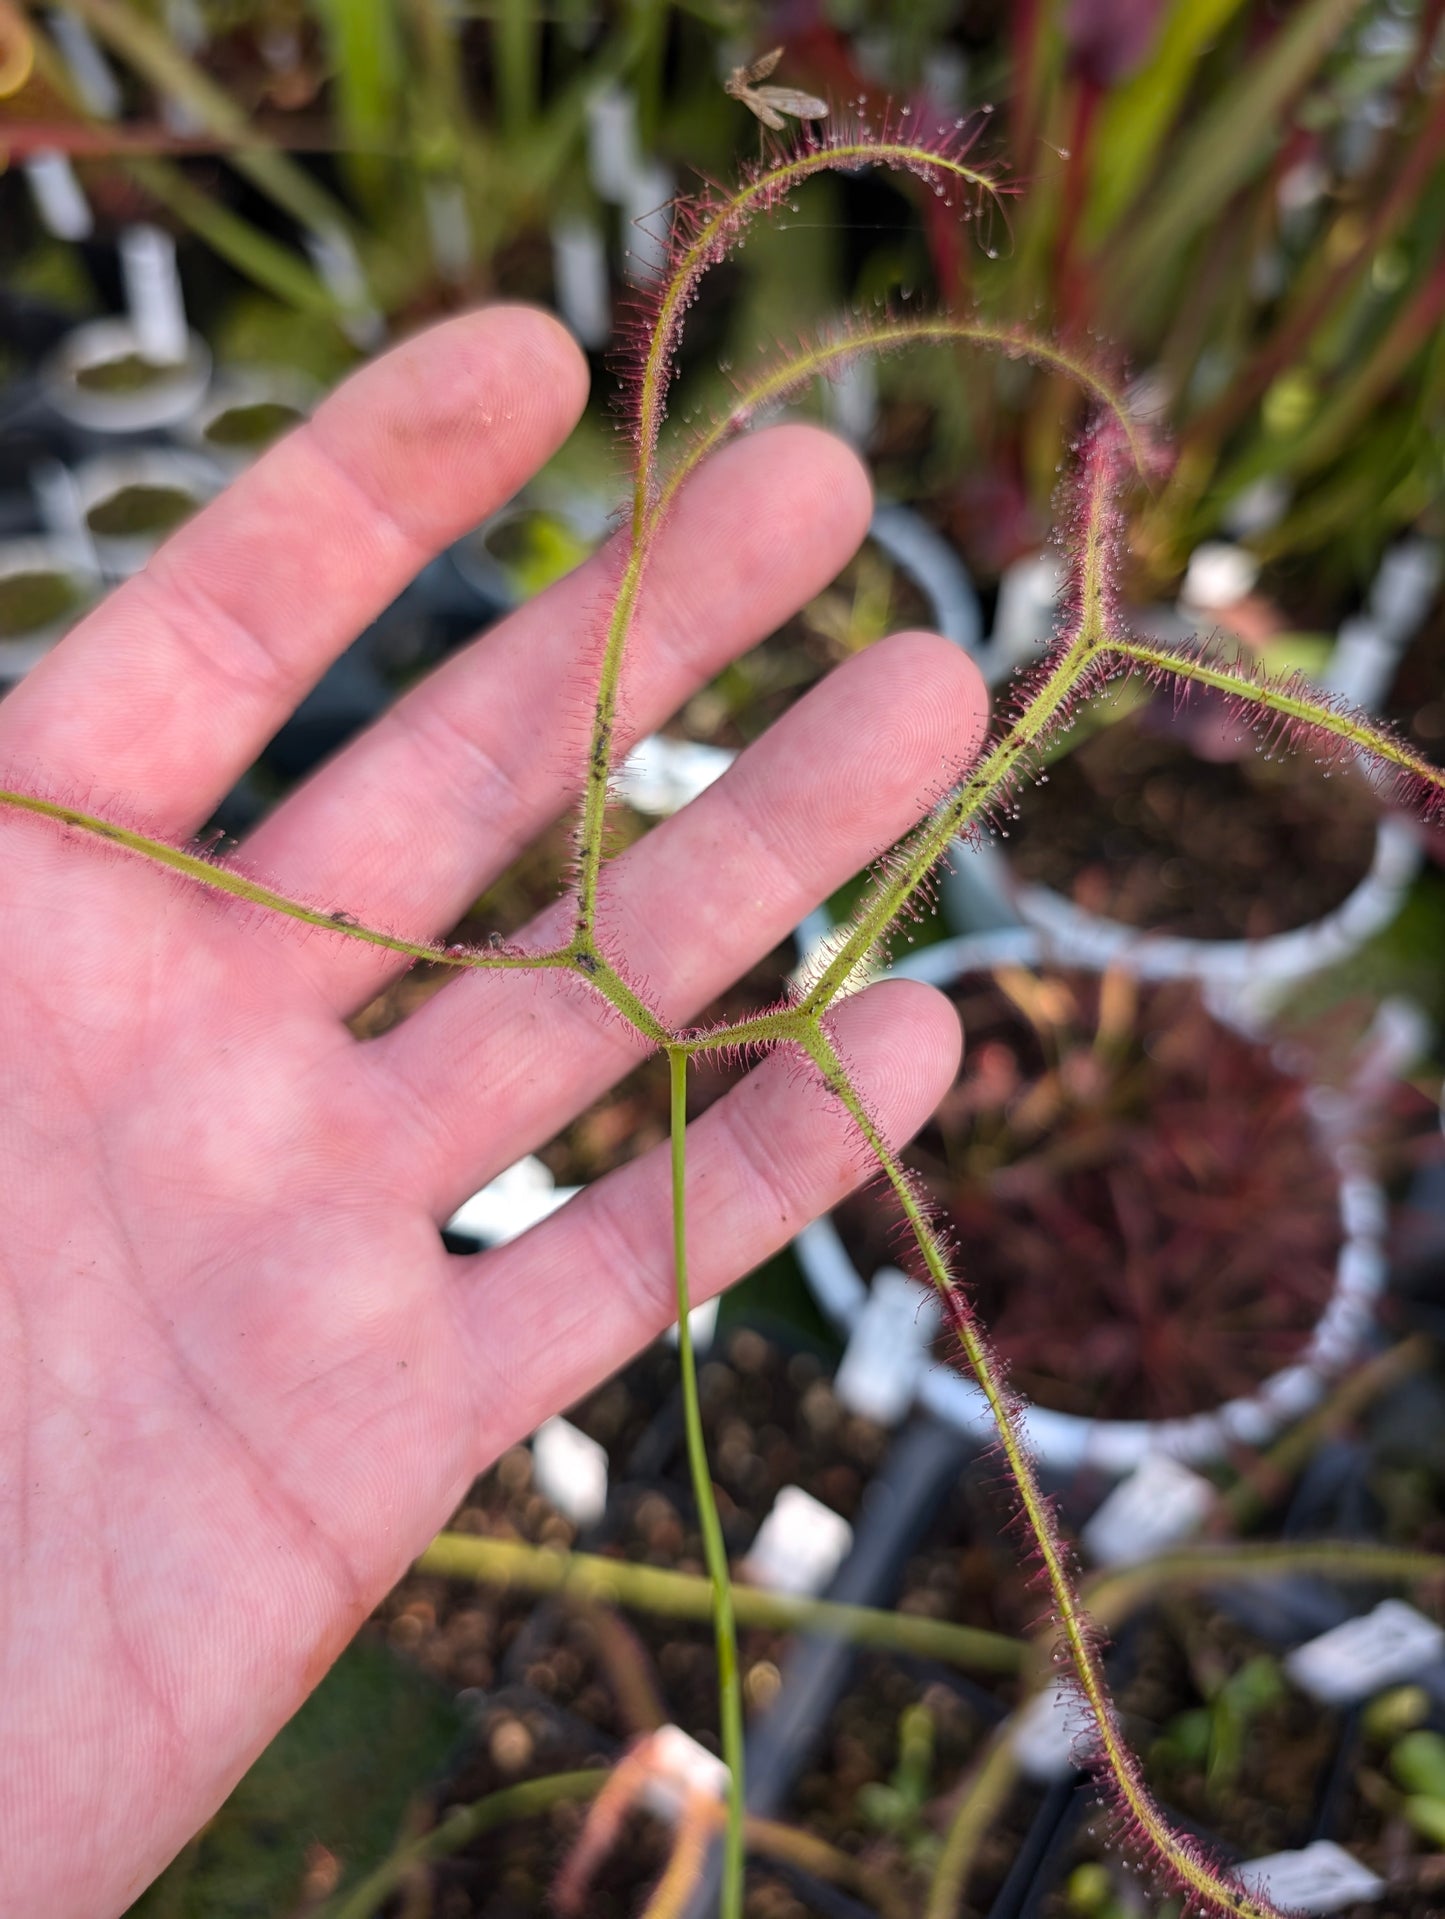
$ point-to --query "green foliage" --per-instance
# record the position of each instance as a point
(339, 1776)
(897, 1806)
(1211, 1738)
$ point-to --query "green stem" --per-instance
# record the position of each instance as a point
(1196, 1876)
(821, 357)
(730, 1690)
(222, 879)
(985, 1793)
(460, 1827)
(1293, 700)
(715, 233)
(677, 1595)
(1112, 1596)
(1269, 1475)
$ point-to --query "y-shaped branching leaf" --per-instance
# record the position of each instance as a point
(1092, 648)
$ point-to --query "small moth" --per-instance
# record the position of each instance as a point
(771, 103)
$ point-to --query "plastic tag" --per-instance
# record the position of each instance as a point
(571, 1470)
(1366, 1654)
(516, 1199)
(336, 260)
(1321, 1878)
(799, 1546)
(613, 151)
(1362, 663)
(96, 84)
(1024, 616)
(59, 197)
(647, 211)
(449, 228)
(660, 776)
(153, 293)
(1219, 574)
(887, 1349)
(681, 1770)
(579, 276)
(1153, 1508)
(1046, 1731)
(1406, 583)
(701, 1323)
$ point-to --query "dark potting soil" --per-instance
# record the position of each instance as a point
(1133, 825)
(29, 601)
(127, 373)
(563, 1684)
(141, 509)
(253, 425)
(1144, 1221)
(1369, 1824)
(1258, 1787)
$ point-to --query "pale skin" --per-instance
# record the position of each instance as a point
(241, 1383)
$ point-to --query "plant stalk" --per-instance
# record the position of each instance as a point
(730, 1687)
(677, 1595)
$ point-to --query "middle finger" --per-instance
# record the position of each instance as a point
(408, 824)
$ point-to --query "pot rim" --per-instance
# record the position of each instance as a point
(1067, 1442)
(44, 553)
(161, 403)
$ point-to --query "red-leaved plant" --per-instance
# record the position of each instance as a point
(1093, 647)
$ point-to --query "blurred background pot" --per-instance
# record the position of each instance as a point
(244, 410)
(46, 585)
(132, 501)
(99, 378)
(1066, 1441)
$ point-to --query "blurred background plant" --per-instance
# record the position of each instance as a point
(1243, 199)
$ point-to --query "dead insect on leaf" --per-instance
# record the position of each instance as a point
(770, 104)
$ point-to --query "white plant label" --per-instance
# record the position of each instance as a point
(449, 229)
(701, 1324)
(1321, 1878)
(799, 1546)
(96, 84)
(1364, 1655)
(887, 1349)
(682, 1770)
(579, 276)
(660, 776)
(1219, 574)
(1046, 1732)
(336, 260)
(1160, 1503)
(518, 1198)
(59, 197)
(570, 1469)
(153, 293)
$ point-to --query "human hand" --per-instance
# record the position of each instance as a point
(241, 1381)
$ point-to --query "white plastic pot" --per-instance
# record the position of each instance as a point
(1065, 1442)
(42, 554)
(121, 554)
(1253, 971)
(245, 387)
(1250, 975)
(175, 391)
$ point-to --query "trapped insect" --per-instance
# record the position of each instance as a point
(769, 104)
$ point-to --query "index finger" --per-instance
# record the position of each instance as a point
(166, 693)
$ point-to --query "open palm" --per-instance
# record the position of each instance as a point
(241, 1382)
